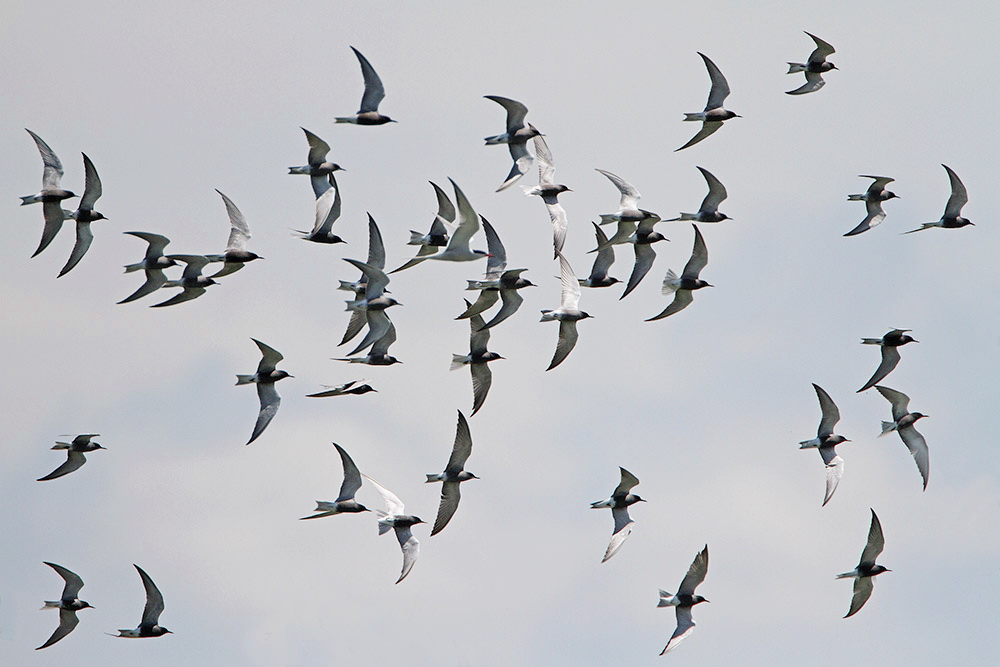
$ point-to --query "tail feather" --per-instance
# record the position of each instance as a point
(457, 361)
(61, 445)
(244, 379)
(887, 427)
(796, 67)
(855, 197)
(129, 268)
(871, 341)
(416, 238)
(670, 283)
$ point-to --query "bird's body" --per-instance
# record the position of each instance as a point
(68, 604)
(458, 249)
(319, 168)
(619, 502)
(902, 423)
(714, 114)
(567, 314)
(709, 210)
(873, 198)
(685, 599)
(826, 442)
(236, 254)
(149, 625)
(814, 68)
(453, 476)
(345, 502)
(74, 455)
(397, 520)
(378, 355)
(888, 344)
(628, 207)
(689, 281)
(477, 360)
(328, 206)
(867, 568)
(84, 215)
(265, 377)
(374, 93)
(952, 218)
(348, 388)
(192, 281)
(152, 264)
(516, 137)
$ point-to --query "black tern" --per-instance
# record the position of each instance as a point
(826, 442)
(516, 137)
(866, 568)
(149, 625)
(153, 264)
(549, 191)
(374, 93)
(619, 502)
(236, 254)
(642, 241)
(568, 313)
(890, 354)
(68, 604)
(74, 455)
(373, 304)
(396, 519)
(605, 258)
(689, 281)
(477, 360)
(873, 198)
(952, 217)
(458, 249)
(628, 207)
(684, 599)
(51, 193)
(709, 211)
(379, 354)
(714, 114)
(345, 502)
(264, 378)
(814, 68)
(319, 167)
(84, 215)
(348, 388)
(902, 423)
(193, 283)
(327, 213)
(453, 476)
(498, 284)
(437, 236)
(376, 259)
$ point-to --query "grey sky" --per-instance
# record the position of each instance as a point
(706, 408)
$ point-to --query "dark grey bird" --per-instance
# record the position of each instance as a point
(642, 241)
(952, 217)
(628, 209)
(498, 283)
(51, 193)
(327, 212)
(453, 476)
(319, 166)
(149, 625)
(374, 94)
(458, 249)
(265, 377)
(867, 568)
(437, 237)
(74, 455)
(568, 313)
(709, 211)
(345, 502)
(689, 281)
(873, 198)
(376, 259)
(373, 304)
(68, 604)
(352, 388)
(902, 423)
(236, 254)
(516, 137)
(814, 68)
(84, 215)
(684, 599)
(192, 281)
(619, 503)
(889, 344)
(397, 520)
(379, 355)
(605, 258)
(477, 360)
(826, 442)
(549, 191)
(152, 264)
(714, 114)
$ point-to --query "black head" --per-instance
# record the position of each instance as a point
(585, 315)
(336, 167)
(891, 195)
(915, 415)
(251, 256)
(697, 599)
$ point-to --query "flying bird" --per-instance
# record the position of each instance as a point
(952, 217)
(236, 254)
(866, 569)
(345, 502)
(642, 241)
(714, 114)
(327, 213)
(74, 455)
(549, 191)
(437, 236)
(889, 344)
(873, 198)
(814, 68)
(516, 137)
(376, 259)
(477, 360)
(84, 215)
(709, 211)
(319, 166)
(373, 304)
(348, 388)
(498, 283)
(453, 476)
(902, 423)
(684, 599)
(689, 281)
(51, 193)
(374, 94)
(396, 519)
(619, 502)
(628, 206)
(149, 625)
(379, 355)
(193, 283)
(152, 264)
(68, 604)
(826, 442)
(568, 313)
(264, 378)
(605, 258)
(458, 249)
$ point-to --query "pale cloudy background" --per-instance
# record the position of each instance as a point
(172, 100)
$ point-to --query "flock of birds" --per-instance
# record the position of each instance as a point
(449, 239)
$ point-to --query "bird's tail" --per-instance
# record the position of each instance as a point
(796, 67)
(298, 170)
(30, 199)
(887, 427)
(416, 238)
(871, 341)
(664, 597)
(346, 286)
(695, 116)
(431, 478)
(496, 139)
(531, 190)
(61, 445)
(129, 268)
(607, 218)
(345, 119)
(923, 226)
(244, 379)
(847, 575)
(684, 216)
(49, 604)
(457, 361)
(670, 283)
(855, 197)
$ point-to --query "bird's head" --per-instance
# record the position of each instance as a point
(697, 599)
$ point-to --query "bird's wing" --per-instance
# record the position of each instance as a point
(378, 326)
(67, 622)
(84, 237)
(487, 298)
(154, 281)
(73, 462)
(374, 90)
(269, 402)
(699, 257)
(876, 542)
(188, 294)
(328, 207)
(269, 357)
(890, 357)
(468, 220)
(73, 581)
(376, 248)
(462, 448)
(625, 485)
(511, 302)
(239, 232)
(695, 574)
(862, 591)
(381, 346)
(644, 256)
(623, 528)
(560, 223)
(320, 184)
(194, 264)
(685, 626)
(157, 243)
(522, 162)
(411, 549)
(629, 195)
(682, 299)
(878, 185)
(546, 166)
(445, 212)
(822, 50)
(497, 261)
(570, 294)
(707, 128)
(352, 477)
(318, 149)
(720, 87)
(830, 413)
(54, 216)
(959, 195)
(482, 379)
(92, 185)
(392, 503)
(814, 81)
(479, 338)
(834, 471)
(605, 255)
(154, 599)
(515, 111)
(874, 218)
(918, 448)
(567, 341)
(52, 170)
(716, 192)
(450, 495)
(376, 279)
(900, 401)
(354, 326)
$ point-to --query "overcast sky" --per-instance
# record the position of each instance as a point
(174, 100)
